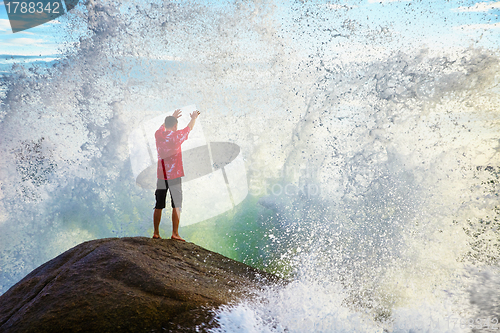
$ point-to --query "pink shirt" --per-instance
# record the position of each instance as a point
(168, 147)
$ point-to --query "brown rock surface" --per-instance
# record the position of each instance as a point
(127, 285)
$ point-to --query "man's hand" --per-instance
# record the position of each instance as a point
(193, 115)
(177, 113)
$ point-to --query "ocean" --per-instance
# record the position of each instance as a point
(371, 160)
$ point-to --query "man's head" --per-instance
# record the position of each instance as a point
(171, 123)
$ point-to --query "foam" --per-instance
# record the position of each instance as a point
(381, 169)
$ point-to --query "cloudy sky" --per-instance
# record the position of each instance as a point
(441, 23)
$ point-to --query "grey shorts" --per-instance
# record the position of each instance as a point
(175, 187)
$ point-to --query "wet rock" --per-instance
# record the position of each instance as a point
(128, 285)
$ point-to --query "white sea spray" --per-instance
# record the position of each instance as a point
(373, 173)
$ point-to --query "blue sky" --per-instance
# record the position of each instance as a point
(438, 22)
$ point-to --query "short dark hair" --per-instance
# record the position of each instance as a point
(170, 121)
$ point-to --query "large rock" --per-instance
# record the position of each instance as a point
(127, 285)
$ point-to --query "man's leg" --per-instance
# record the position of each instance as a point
(175, 186)
(160, 197)
(156, 223)
(176, 217)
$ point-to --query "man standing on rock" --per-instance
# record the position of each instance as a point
(170, 170)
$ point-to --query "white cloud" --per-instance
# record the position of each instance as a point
(25, 33)
(22, 50)
(4, 25)
(469, 27)
(479, 7)
(24, 41)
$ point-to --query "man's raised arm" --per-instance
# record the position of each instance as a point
(193, 115)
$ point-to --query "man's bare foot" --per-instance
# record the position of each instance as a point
(156, 236)
(177, 237)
